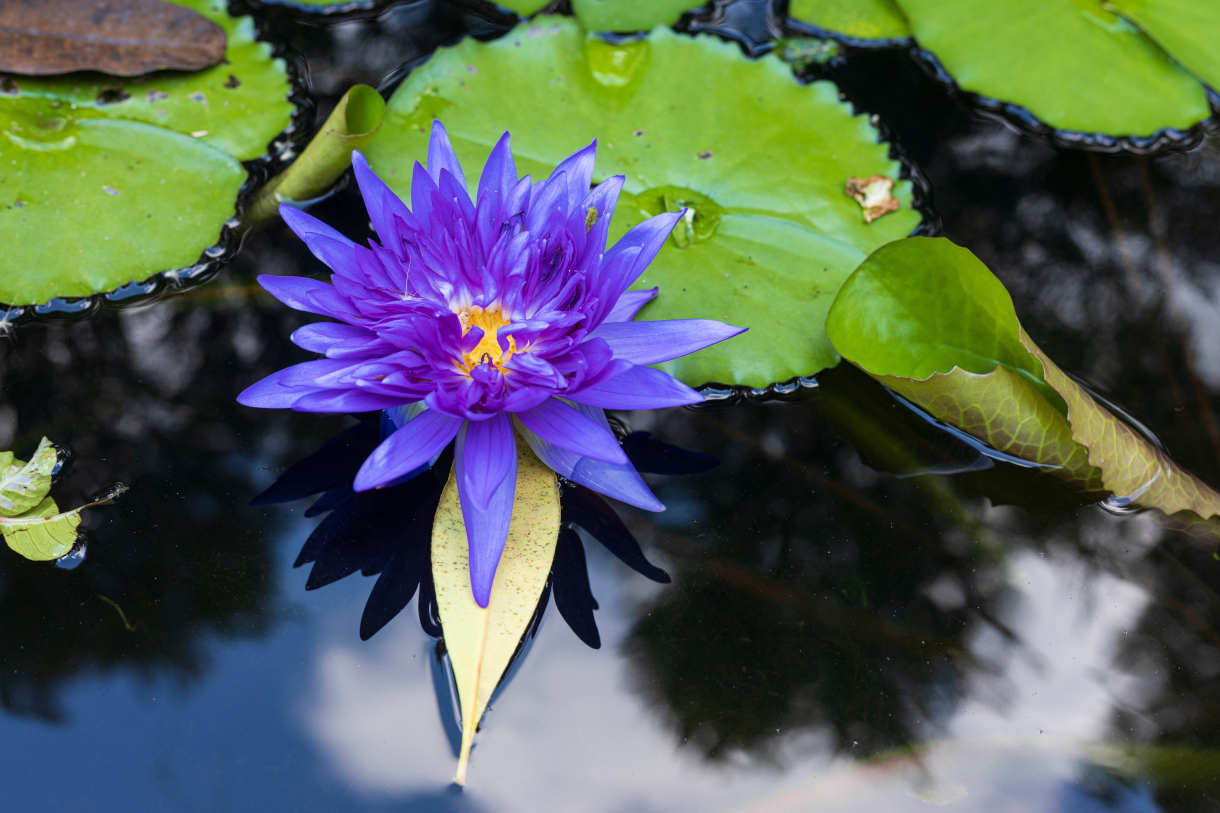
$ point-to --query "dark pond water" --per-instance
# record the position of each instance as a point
(848, 628)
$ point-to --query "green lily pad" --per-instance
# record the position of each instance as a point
(861, 22)
(629, 15)
(108, 181)
(770, 233)
(1187, 29)
(927, 319)
(1073, 65)
(523, 7)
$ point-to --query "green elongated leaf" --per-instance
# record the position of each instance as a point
(350, 125)
(109, 181)
(1187, 29)
(769, 225)
(481, 641)
(926, 318)
(24, 485)
(1073, 64)
(628, 15)
(44, 534)
(853, 19)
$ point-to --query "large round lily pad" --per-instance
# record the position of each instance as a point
(107, 181)
(1073, 64)
(770, 233)
(860, 22)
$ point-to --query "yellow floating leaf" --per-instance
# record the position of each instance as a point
(481, 641)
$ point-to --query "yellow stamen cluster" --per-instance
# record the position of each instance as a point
(487, 351)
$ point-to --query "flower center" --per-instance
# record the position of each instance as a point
(487, 351)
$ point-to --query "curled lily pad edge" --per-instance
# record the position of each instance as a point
(1166, 139)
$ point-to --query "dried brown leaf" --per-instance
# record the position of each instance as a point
(119, 37)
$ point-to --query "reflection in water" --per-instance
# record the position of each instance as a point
(133, 395)
(985, 641)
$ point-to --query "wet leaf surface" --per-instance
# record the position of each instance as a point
(117, 37)
(111, 181)
(1073, 64)
(769, 234)
(862, 20)
(628, 15)
(1186, 29)
(481, 641)
(926, 318)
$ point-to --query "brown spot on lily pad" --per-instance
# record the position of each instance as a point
(232, 82)
(705, 154)
(874, 194)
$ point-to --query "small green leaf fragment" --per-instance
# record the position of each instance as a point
(44, 534)
(23, 486)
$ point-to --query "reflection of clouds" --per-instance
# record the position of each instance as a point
(569, 733)
(1067, 622)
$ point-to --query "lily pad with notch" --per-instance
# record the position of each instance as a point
(110, 182)
(769, 233)
(1075, 69)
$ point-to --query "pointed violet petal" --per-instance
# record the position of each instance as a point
(629, 304)
(651, 342)
(344, 400)
(271, 393)
(297, 293)
(382, 204)
(320, 337)
(409, 448)
(617, 480)
(441, 155)
(500, 173)
(637, 388)
(486, 528)
(647, 238)
(577, 173)
(487, 451)
(324, 242)
(560, 424)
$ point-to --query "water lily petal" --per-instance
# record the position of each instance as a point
(651, 342)
(564, 426)
(618, 480)
(324, 242)
(271, 392)
(629, 304)
(488, 451)
(410, 447)
(298, 293)
(637, 388)
(486, 527)
(441, 157)
(385, 208)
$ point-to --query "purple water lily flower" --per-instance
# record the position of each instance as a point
(482, 322)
